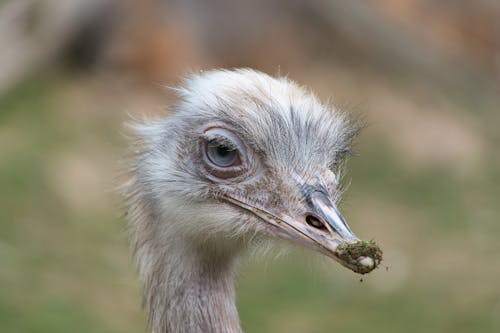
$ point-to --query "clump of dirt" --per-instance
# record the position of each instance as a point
(362, 257)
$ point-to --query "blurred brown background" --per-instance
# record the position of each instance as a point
(426, 185)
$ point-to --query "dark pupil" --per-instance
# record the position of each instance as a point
(223, 151)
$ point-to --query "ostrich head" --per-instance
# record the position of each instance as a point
(243, 156)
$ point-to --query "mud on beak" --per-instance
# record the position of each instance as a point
(321, 228)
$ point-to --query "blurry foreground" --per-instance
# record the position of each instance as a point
(426, 185)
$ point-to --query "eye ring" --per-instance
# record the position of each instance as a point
(224, 155)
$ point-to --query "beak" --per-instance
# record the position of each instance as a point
(326, 214)
(321, 228)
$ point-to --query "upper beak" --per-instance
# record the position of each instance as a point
(321, 228)
(328, 215)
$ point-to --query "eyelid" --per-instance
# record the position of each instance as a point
(225, 137)
(219, 140)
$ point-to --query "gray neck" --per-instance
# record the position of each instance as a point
(191, 289)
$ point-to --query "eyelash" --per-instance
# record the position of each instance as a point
(222, 142)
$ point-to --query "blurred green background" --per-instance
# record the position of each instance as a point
(425, 186)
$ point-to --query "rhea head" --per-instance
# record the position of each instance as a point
(243, 156)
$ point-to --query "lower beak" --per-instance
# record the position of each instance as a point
(323, 229)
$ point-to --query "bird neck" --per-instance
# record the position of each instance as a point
(191, 289)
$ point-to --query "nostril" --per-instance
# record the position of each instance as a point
(314, 222)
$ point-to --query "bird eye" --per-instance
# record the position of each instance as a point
(221, 155)
(224, 154)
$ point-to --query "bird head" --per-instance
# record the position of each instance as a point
(243, 155)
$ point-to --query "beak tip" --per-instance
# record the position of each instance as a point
(361, 257)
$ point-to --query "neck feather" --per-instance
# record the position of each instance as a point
(188, 282)
(190, 289)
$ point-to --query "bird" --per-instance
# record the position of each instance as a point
(242, 160)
